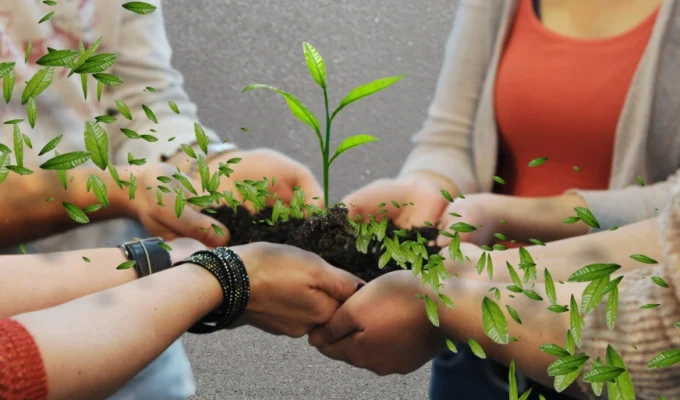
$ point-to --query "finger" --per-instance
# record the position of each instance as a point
(365, 201)
(338, 327)
(191, 221)
(338, 284)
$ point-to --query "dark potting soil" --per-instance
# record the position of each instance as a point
(330, 236)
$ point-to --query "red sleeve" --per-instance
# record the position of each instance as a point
(22, 373)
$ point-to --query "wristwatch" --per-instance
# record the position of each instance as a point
(149, 255)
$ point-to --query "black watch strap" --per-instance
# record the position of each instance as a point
(149, 255)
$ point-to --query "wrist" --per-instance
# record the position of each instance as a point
(440, 181)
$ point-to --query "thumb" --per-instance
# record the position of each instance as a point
(338, 284)
(191, 221)
(338, 327)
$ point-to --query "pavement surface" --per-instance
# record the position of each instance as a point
(222, 45)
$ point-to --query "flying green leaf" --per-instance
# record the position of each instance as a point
(351, 142)
(446, 300)
(451, 346)
(494, 323)
(185, 182)
(571, 220)
(32, 112)
(500, 247)
(75, 213)
(567, 364)
(37, 84)
(92, 208)
(46, 17)
(570, 345)
(463, 227)
(515, 289)
(431, 310)
(549, 287)
(592, 272)
(315, 63)
(149, 114)
(19, 170)
(99, 189)
(575, 321)
(96, 64)
(512, 382)
(83, 85)
(513, 275)
(623, 386)
(4, 162)
(587, 217)
(27, 141)
(6, 68)
(577, 169)
(536, 242)
(476, 348)
(126, 265)
(86, 259)
(4, 149)
(447, 196)
(203, 172)
(139, 7)
(132, 187)
(604, 373)
(244, 129)
(296, 107)
(97, 143)
(481, 263)
(201, 138)
(649, 306)
(537, 161)
(180, 203)
(513, 313)
(124, 110)
(592, 294)
(218, 230)
(108, 79)
(665, 359)
(18, 146)
(643, 259)
(150, 138)
(532, 295)
(165, 246)
(105, 119)
(640, 181)
(366, 90)
(27, 52)
(66, 161)
(554, 350)
(659, 281)
(562, 382)
(173, 107)
(130, 133)
(610, 286)
(58, 58)
(499, 180)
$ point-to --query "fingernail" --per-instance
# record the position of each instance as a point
(360, 285)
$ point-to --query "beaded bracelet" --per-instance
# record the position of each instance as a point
(231, 273)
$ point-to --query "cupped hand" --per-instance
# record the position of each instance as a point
(382, 328)
(421, 189)
(159, 217)
(476, 210)
(266, 163)
(292, 290)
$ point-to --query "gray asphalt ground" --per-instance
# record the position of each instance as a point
(222, 45)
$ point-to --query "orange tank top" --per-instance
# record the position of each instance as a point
(560, 98)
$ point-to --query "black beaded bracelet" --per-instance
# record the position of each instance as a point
(230, 272)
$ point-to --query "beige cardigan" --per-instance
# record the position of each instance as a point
(459, 139)
(650, 331)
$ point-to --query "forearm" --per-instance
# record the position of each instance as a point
(129, 326)
(536, 218)
(564, 257)
(34, 282)
(539, 326)
(27, 214)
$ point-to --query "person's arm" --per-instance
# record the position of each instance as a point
(34, 282)
(128, 326)
(143, 59)
(564, 257)
(444, 144)
(618, 207)
(26, 213)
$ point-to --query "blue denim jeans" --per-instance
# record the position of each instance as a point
(463, 376)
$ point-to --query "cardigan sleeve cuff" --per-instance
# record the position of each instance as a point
(22, 373)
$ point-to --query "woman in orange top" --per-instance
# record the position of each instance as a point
(553, 100)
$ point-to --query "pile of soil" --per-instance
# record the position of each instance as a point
(330, 236)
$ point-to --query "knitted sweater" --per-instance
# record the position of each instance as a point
(651, 331)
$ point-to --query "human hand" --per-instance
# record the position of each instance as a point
(266, 163)
(421, 189)
(382, 328)
(478, 210)
(161, 220)
(292, 290)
